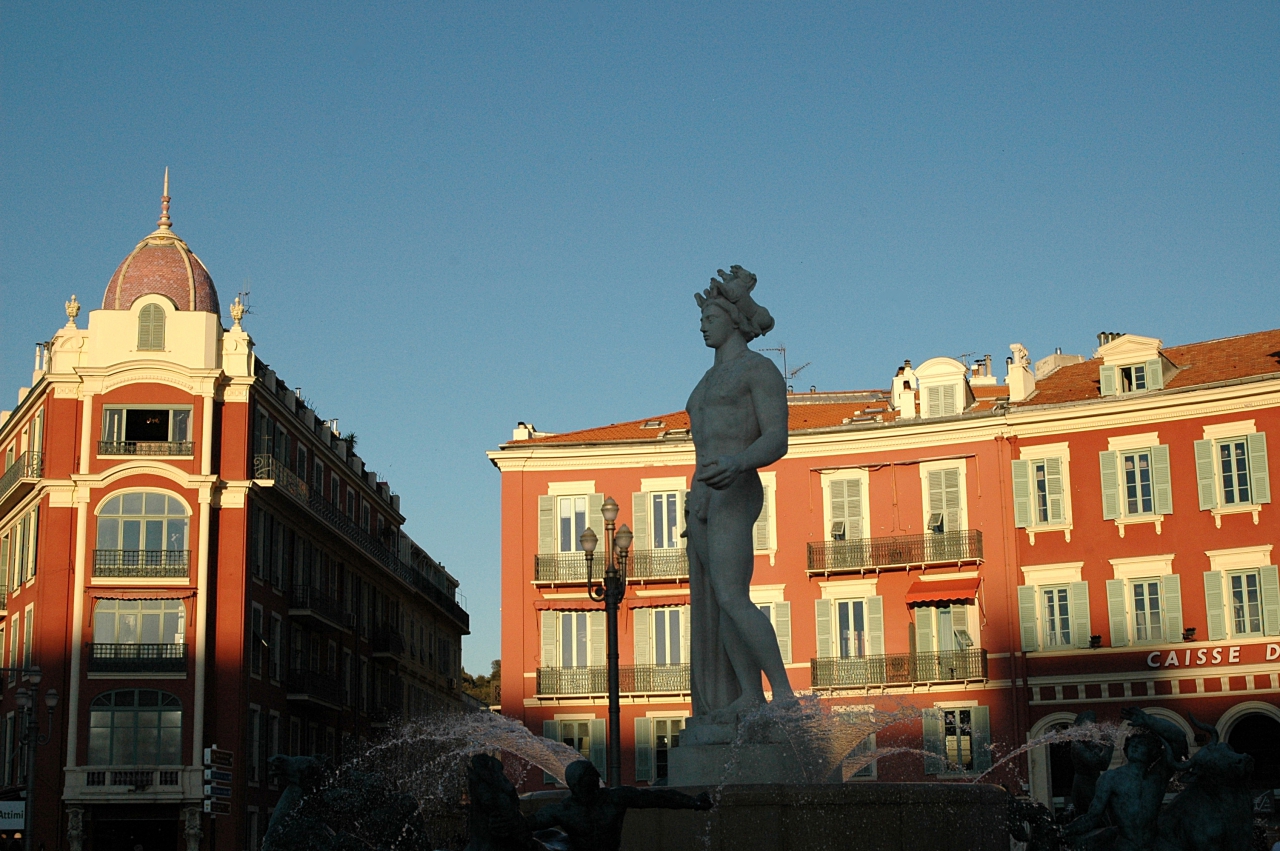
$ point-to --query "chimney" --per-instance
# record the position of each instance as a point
(903, 391)
(1020, 380)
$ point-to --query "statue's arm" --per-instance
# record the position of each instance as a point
(548, 816)
(1171, 733)
(1095, 817)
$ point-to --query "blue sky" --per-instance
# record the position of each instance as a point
(456, 216)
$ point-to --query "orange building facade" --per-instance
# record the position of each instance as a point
(192, 558)
(911, 544)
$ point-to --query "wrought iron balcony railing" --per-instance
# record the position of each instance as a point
(387, 641)
(571, 568)
(136, 778)
(895, 552)
(28, 465)
(632, 679)
(142, 563)
(900, 669)
(137, 658)
(145, 447)
(659, 564)
(315, 684)
(305, 600)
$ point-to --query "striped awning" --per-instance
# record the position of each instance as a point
(943, 591)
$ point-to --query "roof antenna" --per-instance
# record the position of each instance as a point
(789, 374)
(164, 222)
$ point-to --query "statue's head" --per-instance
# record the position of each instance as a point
(731, 295)
(1086, 718)
(582, 778)
(1143, 748)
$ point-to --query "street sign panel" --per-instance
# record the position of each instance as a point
(219, 758)
(218, 808)
(217, 791)
(214, 775)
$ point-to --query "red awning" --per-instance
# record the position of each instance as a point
(579, 604)
(943, 591)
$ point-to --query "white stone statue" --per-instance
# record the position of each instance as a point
(738, 416)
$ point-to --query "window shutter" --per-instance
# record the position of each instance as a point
(113, 425)
(1107, 380)
(948, 400)
(853, 509)
(782, 627)
(875, 626)
(936, 498)
(1110, 485)
(598, 735)
(924, 630)
(595, 640)
(642, 630)
(1206, 482)
(980, 729)
(933, 407)
(1081, 627)
(1259, 480)
(595, 519)
(1117, 613)
(933, 744)
(1027, 607)
(1270, 599)
(822, 617)
(1053, 484)
(550, 730)
(684, 634)
(959, 621)
(1161, 487)
(644, 749)
(639, 521)
(32, 546)
(762, 524)
(838, 506)
(547, 524)
(1155, 374)
(681, 498)
(1215, 614)
(1021, 494)
(951, 502)
(1171, 591)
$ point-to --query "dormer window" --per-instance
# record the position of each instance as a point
(944, 388)
(1130, 364)
(1132, 378)
(151, 328)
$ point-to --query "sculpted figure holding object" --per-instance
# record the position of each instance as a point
(738, 419)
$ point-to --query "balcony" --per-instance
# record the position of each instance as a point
(132, 784)
(19, 478)
(632, 679)
(322, 689)
(137, 658)
(571, 568)
(146, 447)
(313, 605)
(947, 666)
(900, 551)
(137, 564)
(387, 643)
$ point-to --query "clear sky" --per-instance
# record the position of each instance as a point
(455, 216)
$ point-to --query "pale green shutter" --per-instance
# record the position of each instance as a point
(853, 509)
(1053, 484)
(1027, 603)
(642, 630)
(644, 749)
(875, 626)
(639, 521)
(960, 621)
(933, 407)
(684, 634)
(1215, 612)
(598, 745)
(1155, 374)
(924, 630)
(980, 728)
(1270, 599)
(1107, 380)
(546, 524)
(1259, 479)
(1171, 591)
(1117, 613)
(1161, 486)
(550, 730)
(595, 519)
(1206, 482)
(113, 425)
(782, 628)
(1021, 494)
(933, 743)
(762, 524)
(1108, 462)
(936, 499)
(822, 617)
(595, 639)
(951, 500)
(1078, 593)
(837, 490)
(948, 399)
(550, 659)
(35, 538)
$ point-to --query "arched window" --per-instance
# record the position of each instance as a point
(151, 328)
(135, 727)
(142, 534)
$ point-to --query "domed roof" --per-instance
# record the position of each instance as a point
(162, 264)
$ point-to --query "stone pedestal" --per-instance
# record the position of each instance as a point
(710, 755)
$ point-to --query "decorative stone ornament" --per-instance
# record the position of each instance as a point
(73, 310)
(237, 311)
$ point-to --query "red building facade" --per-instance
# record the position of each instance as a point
(193, 559)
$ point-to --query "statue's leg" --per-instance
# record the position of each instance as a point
(713, 680)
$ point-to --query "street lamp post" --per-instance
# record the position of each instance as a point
(611, 590)
(30, 738)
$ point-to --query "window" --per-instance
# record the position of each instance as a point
(151, 328)
(252, 829)
(255, 744)
(142, 522)
(1135, 483)
(1144, 601)
(256, 640)
(1240, 599)
(764, 533)
(139, 622)
(666, 736)
(585, 735)
(18, 549)
(778, 611)
(845, 498)
(1040, 492)
(851, 628)
(273, 741)
(1132, 378)
(957, 730)
(572, 514)
(940, 401)
(665, 519)
(135, 727)
(573, 640)
(1246, 603)
(944, 500)
(273, 640)
(13, 648)
(1148, 624)
(1057, 616)
(569, 640)
(295, 736)
(146, 431)
(1232, 472)
(666, 637)
(28, 623)
(959, 738)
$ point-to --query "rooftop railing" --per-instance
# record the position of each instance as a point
(137, 658)
(632, 679)
(934, 548)
(142, 563)
(145, 447)
(900, 669)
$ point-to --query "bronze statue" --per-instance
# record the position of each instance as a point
(1089, 758)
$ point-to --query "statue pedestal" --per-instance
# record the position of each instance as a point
(711, 755)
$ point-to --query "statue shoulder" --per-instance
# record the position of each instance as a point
(764, 368)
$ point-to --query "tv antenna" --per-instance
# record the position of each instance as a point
(243, 295)
(789, 374)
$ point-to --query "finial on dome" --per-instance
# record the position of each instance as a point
(164, 203)
(237, 311)
(73, 310)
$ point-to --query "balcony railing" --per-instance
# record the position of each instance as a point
(28, 465)
(137, 658)
(900, 669)
(895, 552)
(307, 601)
(632, 679)
(145, 447)
(142, 563)
(268, 467)
(137, 778)
(315, 685)
(387, 642)
(571, 568)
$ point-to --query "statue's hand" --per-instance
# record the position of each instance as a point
(721, 472)
(1136, 717)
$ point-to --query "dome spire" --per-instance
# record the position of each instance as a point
(164, 222)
